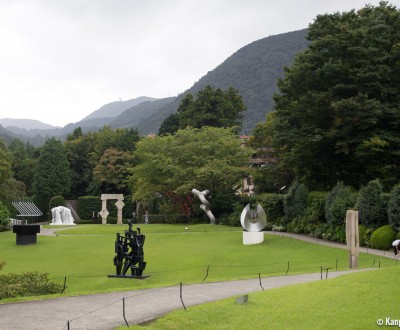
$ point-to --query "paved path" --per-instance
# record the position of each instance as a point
(388, 254)
(105, 311)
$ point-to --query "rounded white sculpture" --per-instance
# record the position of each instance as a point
(62, 216)
(253, 222)
(205, 206)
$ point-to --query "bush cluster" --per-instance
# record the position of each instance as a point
(323, 214)
(27, 284)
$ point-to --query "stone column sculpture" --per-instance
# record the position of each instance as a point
(119, 204)
(352, 237)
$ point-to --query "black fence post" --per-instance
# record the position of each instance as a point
(287, 270)
(208, 267)
(123, 311)
(259, 277)
(65, 284)
(180, 295)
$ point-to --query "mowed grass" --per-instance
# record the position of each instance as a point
(173, 254)
(354, 301)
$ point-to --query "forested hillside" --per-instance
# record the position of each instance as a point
(253, 70)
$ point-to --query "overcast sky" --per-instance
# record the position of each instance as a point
(60, 60)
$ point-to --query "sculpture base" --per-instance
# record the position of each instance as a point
(130, 276)
(250, 237)
(62, 224)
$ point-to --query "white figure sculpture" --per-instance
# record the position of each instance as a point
(205, 206)
(61, 216)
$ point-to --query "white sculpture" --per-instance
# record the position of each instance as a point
(62, 216)
(205, 206)
(253, 222)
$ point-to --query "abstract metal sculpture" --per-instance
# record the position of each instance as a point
(205, 206)
(129, 254)
(253, 222)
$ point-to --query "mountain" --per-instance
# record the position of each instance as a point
(24, 124)
(114, 109)
(254, 70)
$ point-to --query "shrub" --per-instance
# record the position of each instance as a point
(394, 207)
(27, 284)
(362, 233)
(315, 211)
(273, 207)
(295, 202)
(371, 205)
(87, 205)
(383, 237)
(56, 201)
(4, 216)
(337, 202)
(233, 219)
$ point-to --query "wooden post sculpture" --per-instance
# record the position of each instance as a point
(352, 237)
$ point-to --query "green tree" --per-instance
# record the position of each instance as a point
(211, 107)
(4, 216)
(372, 206)
(111, 172)
(337, 114)
(207, 158)
(5, 162)
(338, 201)
(394, 207)
(295, 202)
(78, 148)
(23, 164)
(53, 175)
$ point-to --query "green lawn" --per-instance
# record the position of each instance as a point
(354, 301)
(174, 254)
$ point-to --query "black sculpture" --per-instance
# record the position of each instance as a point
(129, 254)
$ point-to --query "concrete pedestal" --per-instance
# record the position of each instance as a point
(250, 237)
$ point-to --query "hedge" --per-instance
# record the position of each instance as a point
(383, 237)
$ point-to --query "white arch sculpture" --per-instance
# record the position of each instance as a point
(119, 204)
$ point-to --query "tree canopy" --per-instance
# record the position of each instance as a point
(211, 107)
(52, 175)
(337, 111)
(207, 158)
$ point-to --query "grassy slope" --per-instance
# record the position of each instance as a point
(173, 253)
(353, 301)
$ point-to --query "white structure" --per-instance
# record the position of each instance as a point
(205, 206)
(253, 222)
(119, 204)
(61, 216)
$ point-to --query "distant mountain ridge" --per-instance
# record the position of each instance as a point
(114, 109)
(254, 70)
(25, 123)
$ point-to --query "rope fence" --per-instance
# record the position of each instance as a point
(294, 267)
